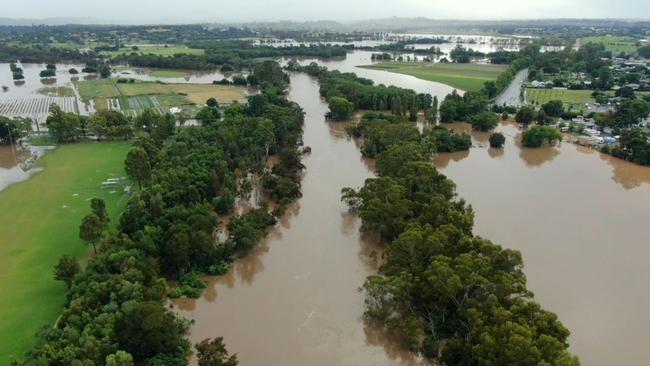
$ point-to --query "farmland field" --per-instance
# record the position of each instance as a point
(156, 50)
(98, 88)
(133, 106)
(36, 108)
(468, 77)
(133, 98)
(41, 219)
(57, 91)
(613, 43)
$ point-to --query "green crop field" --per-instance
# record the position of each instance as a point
(97, 88)
(135, 97)
(468, 77)
(40, 222)
(615, 44)
(133, 106)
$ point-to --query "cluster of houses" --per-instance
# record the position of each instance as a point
(592, 134)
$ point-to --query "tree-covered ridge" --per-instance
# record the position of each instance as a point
(116, 306)
(454, 297)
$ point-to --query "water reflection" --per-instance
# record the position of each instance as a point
(495, 153)
(538, 156)
(628, 175)
(441, 161)
(377, 336)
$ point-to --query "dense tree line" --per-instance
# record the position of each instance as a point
(227, 54)
(364, 94)
(464, 55)
(456, 298)
(115, 307)
(380, 131)
(38, 54)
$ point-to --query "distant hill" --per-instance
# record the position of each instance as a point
(421, 24)
(394, 24)
(49, 21)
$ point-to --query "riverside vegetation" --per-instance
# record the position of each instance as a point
(115, 313)
(449, 295)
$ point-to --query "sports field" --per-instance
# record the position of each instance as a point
(541, 96)
(40, 221)
(469, 77)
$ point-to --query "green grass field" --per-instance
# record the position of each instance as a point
(40, 221)
(541, 96)
(468, 77)
(573, 99)
(616, 44)
(168, 73)
(156, 50)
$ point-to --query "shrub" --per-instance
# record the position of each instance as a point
(497, 140)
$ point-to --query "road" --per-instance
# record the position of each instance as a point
(511, 95)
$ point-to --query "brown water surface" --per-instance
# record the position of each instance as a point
(580, 219)
(295, 299)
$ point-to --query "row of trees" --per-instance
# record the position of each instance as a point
(229, 55)
(116, 314)
(363, 94)
(456, 298)
(70, 127)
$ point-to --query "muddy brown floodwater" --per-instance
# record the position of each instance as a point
(14, 165)
(295, 299)
(581, 221)
(579, 218)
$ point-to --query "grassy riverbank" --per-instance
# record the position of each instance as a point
(469, 77)
(40, 221)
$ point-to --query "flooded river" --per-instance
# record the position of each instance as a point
(295, 299)
(578, 217)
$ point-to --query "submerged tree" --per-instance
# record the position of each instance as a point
(214, 353)
(497, 140)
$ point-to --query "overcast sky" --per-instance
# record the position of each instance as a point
(143, 11)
